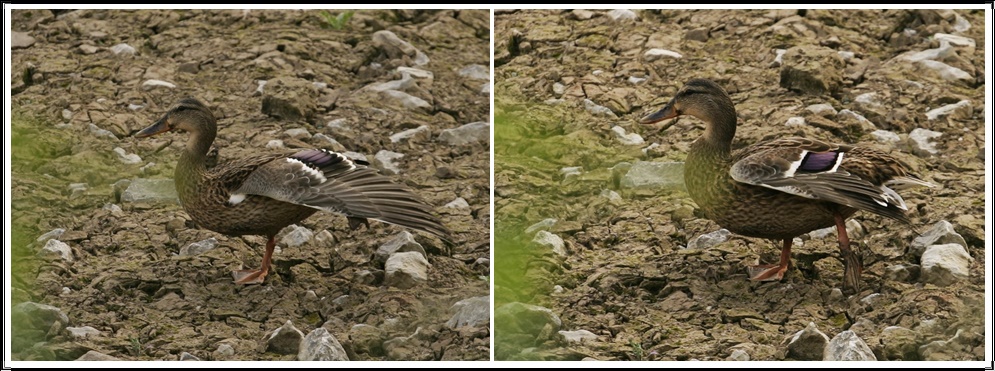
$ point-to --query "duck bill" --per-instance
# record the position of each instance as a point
(157, 128)
(668, 112)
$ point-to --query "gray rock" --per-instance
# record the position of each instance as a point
(485, 88)
(471, 312)
(613, 197)
(551, 241)
(127, 158)
(34, 318)
(199, 247)
(578, 336)
(657, 53)
(21, 40)
(795, 121)
(123, 49)
(82, 332)
(325, 141)
(285, 340)
(942, 265)
(654, 175)
(956, 41)
(77, 189)
(102, 133)
(320, 345)
(630, 139)
(275, 144)
(355, 156)
(697, 34)
(473, 132)
(367, 339)
(94, 355)
(559, 89)
(813, 70)
(402, 242)
(385, 161)
(778, 57)
(55, 233)
(184, 356)
(921, 142)
(404, 270)
(596, 109)
(947, 72)
(88, 49)
(521, 318)
(854, 231)
(154, 84)
(710, 239)
(899, 344)
(939, 53)
(416, 73)
(582, 14)
(541, 225)
(808, 344)
(960, 24)
(570, 174)
(636, 80)
(942, 232)
(959, 110)
(224, 350)
(847, 346)
(846, 55)
(475, 72)
(458, 206)
(421, 131)
(885, 136)
(848, 114)
(622, 15)
(395, 48)
(297, 133)
(404, 83)
(59, 249)
(738, 355)
(295, 235)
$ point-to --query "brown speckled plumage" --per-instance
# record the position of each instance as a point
(782, 188)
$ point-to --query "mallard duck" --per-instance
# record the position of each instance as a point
(782, 188)
(263, 193)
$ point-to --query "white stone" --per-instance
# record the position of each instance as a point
(963, 108)
(404, 241)
(921, 142)
(407, 100)
(551, 241)
(885, 136)
(406, 269)
(570, 174)
(656, 53)
(596, 109)
(946, 71)
(155, 84)
(942, 265)
(847, 346)
(559, 89)
(355, 156)
(636, 80)
(795, 121)
(320, 345)
(295, 235)
(956, 41)
(473, 132)
(259, 87)
(475, 72)
(416, 73)
(622, 15)
(542, 225)
(408, 134)
(297, 133)
(387, 160)
(55, 233)
(471, 312)
(59, 248)
(630, 139)
(846, 55)
(779, 57)
(710, 239)
(83, 332)
(274, 144)
(459, 203)
(127, 158)
(123, 49)
(199, 247)
(101, 133)
(822, 109)
(578, 336)
(939, 53)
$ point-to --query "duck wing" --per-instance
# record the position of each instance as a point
(851, 176)
(332, 182)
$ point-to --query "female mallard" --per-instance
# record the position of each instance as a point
(262, 194)
(782, 188)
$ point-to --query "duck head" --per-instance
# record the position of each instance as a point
(705, 100)
(188, 114)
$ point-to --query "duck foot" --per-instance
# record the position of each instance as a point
(252, 276)
(772, 272)
(852, 267)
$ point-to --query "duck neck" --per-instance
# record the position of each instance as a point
(191, 166)
(720, 128)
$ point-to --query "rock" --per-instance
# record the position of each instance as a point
(421, 131)
(224, 350)
(808, 344)
(297, 133)
(123, 49)
(778, 57)
(813, 70)
(471, 312)
(94, 355)
(846, 55)
(385, 161)
(955, 41)
(542, 225)
(153, 84)
(402, 242)
(77, 189)
(942, 232)
(290, 99)
(937, 54)
(582, 14)
(631, 139)
(656, 53)
(35, 321)
(416, 73)
(636, 80)
(795, 121)
(613, 197)
(295, 235)
(58, 248)
(847, 346)
(127, 158)
(551, 241)
(407, 101)
(355, 156)
(367, 339)
(899, 344)
(55, 233)
(697, 34)
(885, 136)
(559, 89)
(622, 15)
(285, 340)
(942, 265)
(404, 83)
(458, 206)
(654, 175)
(596, 109)
(404, 270)
(854, 231)
(88, 49)
(199, 247)
(275, 144)
(395, 48)
(959, 110)
(921, 142)
(320, 345)
(475, 72)
(21, 40)
(710, 239)
(473, 132)
(570, 174)
(521, 318)
(82, 332)
(738, 355)
(260, 85)
(184, 356)
(101, 133)
(947, 72)
(327, 142)
(578, 336)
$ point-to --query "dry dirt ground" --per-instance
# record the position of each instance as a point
(77, 96)
(622, 279)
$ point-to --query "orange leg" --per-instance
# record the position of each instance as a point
(772, 272)
(852, 267)
(250, 276)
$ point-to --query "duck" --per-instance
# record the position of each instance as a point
(786, 187)
(262, 193)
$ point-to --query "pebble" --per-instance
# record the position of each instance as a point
(55, 233)
(473, 132)
(386, 161)
(127, 158)
(397, 48)
(150, 190)
(596, 109)
(612, 196)
(943, 265)
(551, 241)
(295, 235)
(630, 139)
(570, 174)
(404, 83)
(541, 225)
(656, 53)
(459, 204)
(471, 312)
(738, 355)
(101, 133)
(795, 121)
(578, 336)
(21, 40)
(475, 72)
(274, 144)
(710, 239)
(899, 343)
(58, 248)
(404, 270)
(409, 134)
(959, 110)
(854, 231)
(285, 340)
(636, 80)
(297, 133)
(939, 53)
(559, 89)
(956, 41)
(320, 345)
(416, 73)
(778, 57)
(885, 136)
(947, 72)
(184, 356)
(921, 142)
(847, 346)
(622, 15)
(404, 241)
(94, 355)
(808, 344)
(355, 156)
(153, 84)
(123, 49)
(225, 350)
(941, 232)
(82, 332)
(260, 84)
(199, 247)
(654, 175)
(407, 100)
